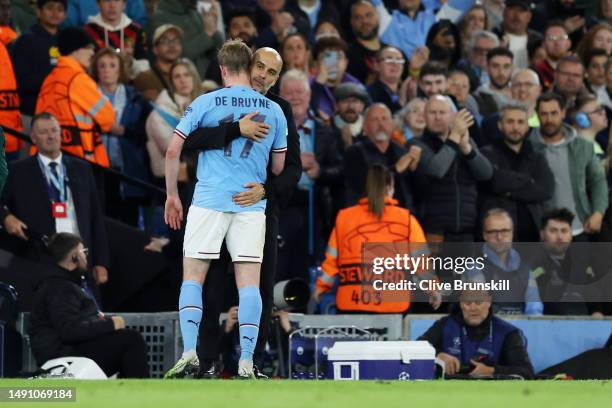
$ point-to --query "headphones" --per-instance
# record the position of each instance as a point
(582, 120)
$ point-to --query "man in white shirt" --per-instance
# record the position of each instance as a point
(517, 16)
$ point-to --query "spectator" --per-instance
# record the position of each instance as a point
(200, 30)
(79, 11)
(517, 16)
(295, 51)
(433, 80)
(536, 52)
(569, 81)
(363, 50)
(459, 86)
(588, 119)
(558, 265)
(495, 11)
(410, 121)
(604, 13)
(351, 101)
(35, 54)
(599, 36)
(167, 111)
(407, 27)
(326, 29)
(111, 27)
(307, 218)
(126, 145)
(378, 148)
(241, 24)
(314, 11)
(557, 45)
(376, 218)
(66, 194)
(450, 168)
(23, 14)
(72, 97)
(473, 21)
(580, 182)
(388, 88)
(330, 59)
(504, 353)
(9, 115)
(567, 11)
(167, 49)
(490, 97)
(476, 62)
(275, 22)
(444, 43)
(595, 62)
(66, 321)
(522, 180)
(525, 88)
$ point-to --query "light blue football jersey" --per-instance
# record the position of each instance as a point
(223, 173)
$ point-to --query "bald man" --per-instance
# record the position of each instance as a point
(450, 167)
(265, 69)
(378, 148)
(525, 88)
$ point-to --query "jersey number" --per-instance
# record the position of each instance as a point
(246, 150)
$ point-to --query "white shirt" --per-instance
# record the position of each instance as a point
(518, 46)
(68, 224)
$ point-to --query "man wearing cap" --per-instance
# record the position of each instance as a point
(73, 98)
(351, 101)
(517, 16)
(167, 48)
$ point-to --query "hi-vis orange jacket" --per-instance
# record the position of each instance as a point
(73, 98)
(344, 257)
(9, 100)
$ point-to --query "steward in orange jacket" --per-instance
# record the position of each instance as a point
(358, 225)
(9, 100)
(72, 96)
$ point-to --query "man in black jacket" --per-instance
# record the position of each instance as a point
(474, 342)
(66, 320)
(37, 180)
(448, 173)
(378, 148)
(522, 180)
(277, 190)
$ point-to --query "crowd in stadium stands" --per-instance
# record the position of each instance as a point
(490, 107)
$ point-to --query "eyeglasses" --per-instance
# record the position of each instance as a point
(557, 37)
(597, 111)
(505, 231)
(390, 60)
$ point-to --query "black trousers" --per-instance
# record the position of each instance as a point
(123, 351)
(220, 294)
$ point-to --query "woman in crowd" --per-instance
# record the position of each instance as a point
(475, 19)
(410, 121)
(376, 218)
(185, 86)
(126, 146)
(599, 36)
(444, 43)
(295, 51)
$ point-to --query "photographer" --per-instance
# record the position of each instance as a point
(473, 341)
(66, 320)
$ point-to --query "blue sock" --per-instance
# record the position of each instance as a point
(249, 313)
(190, 313)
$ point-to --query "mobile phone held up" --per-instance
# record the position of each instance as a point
(330, 60)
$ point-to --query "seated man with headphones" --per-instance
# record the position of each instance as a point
(66, 319)
(591, 123)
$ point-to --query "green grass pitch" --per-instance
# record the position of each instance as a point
(319, 394)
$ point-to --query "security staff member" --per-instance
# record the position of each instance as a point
(9, 103)
(475, 342)
(376, 218)
(73, 98)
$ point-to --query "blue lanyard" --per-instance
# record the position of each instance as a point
(58, 182)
